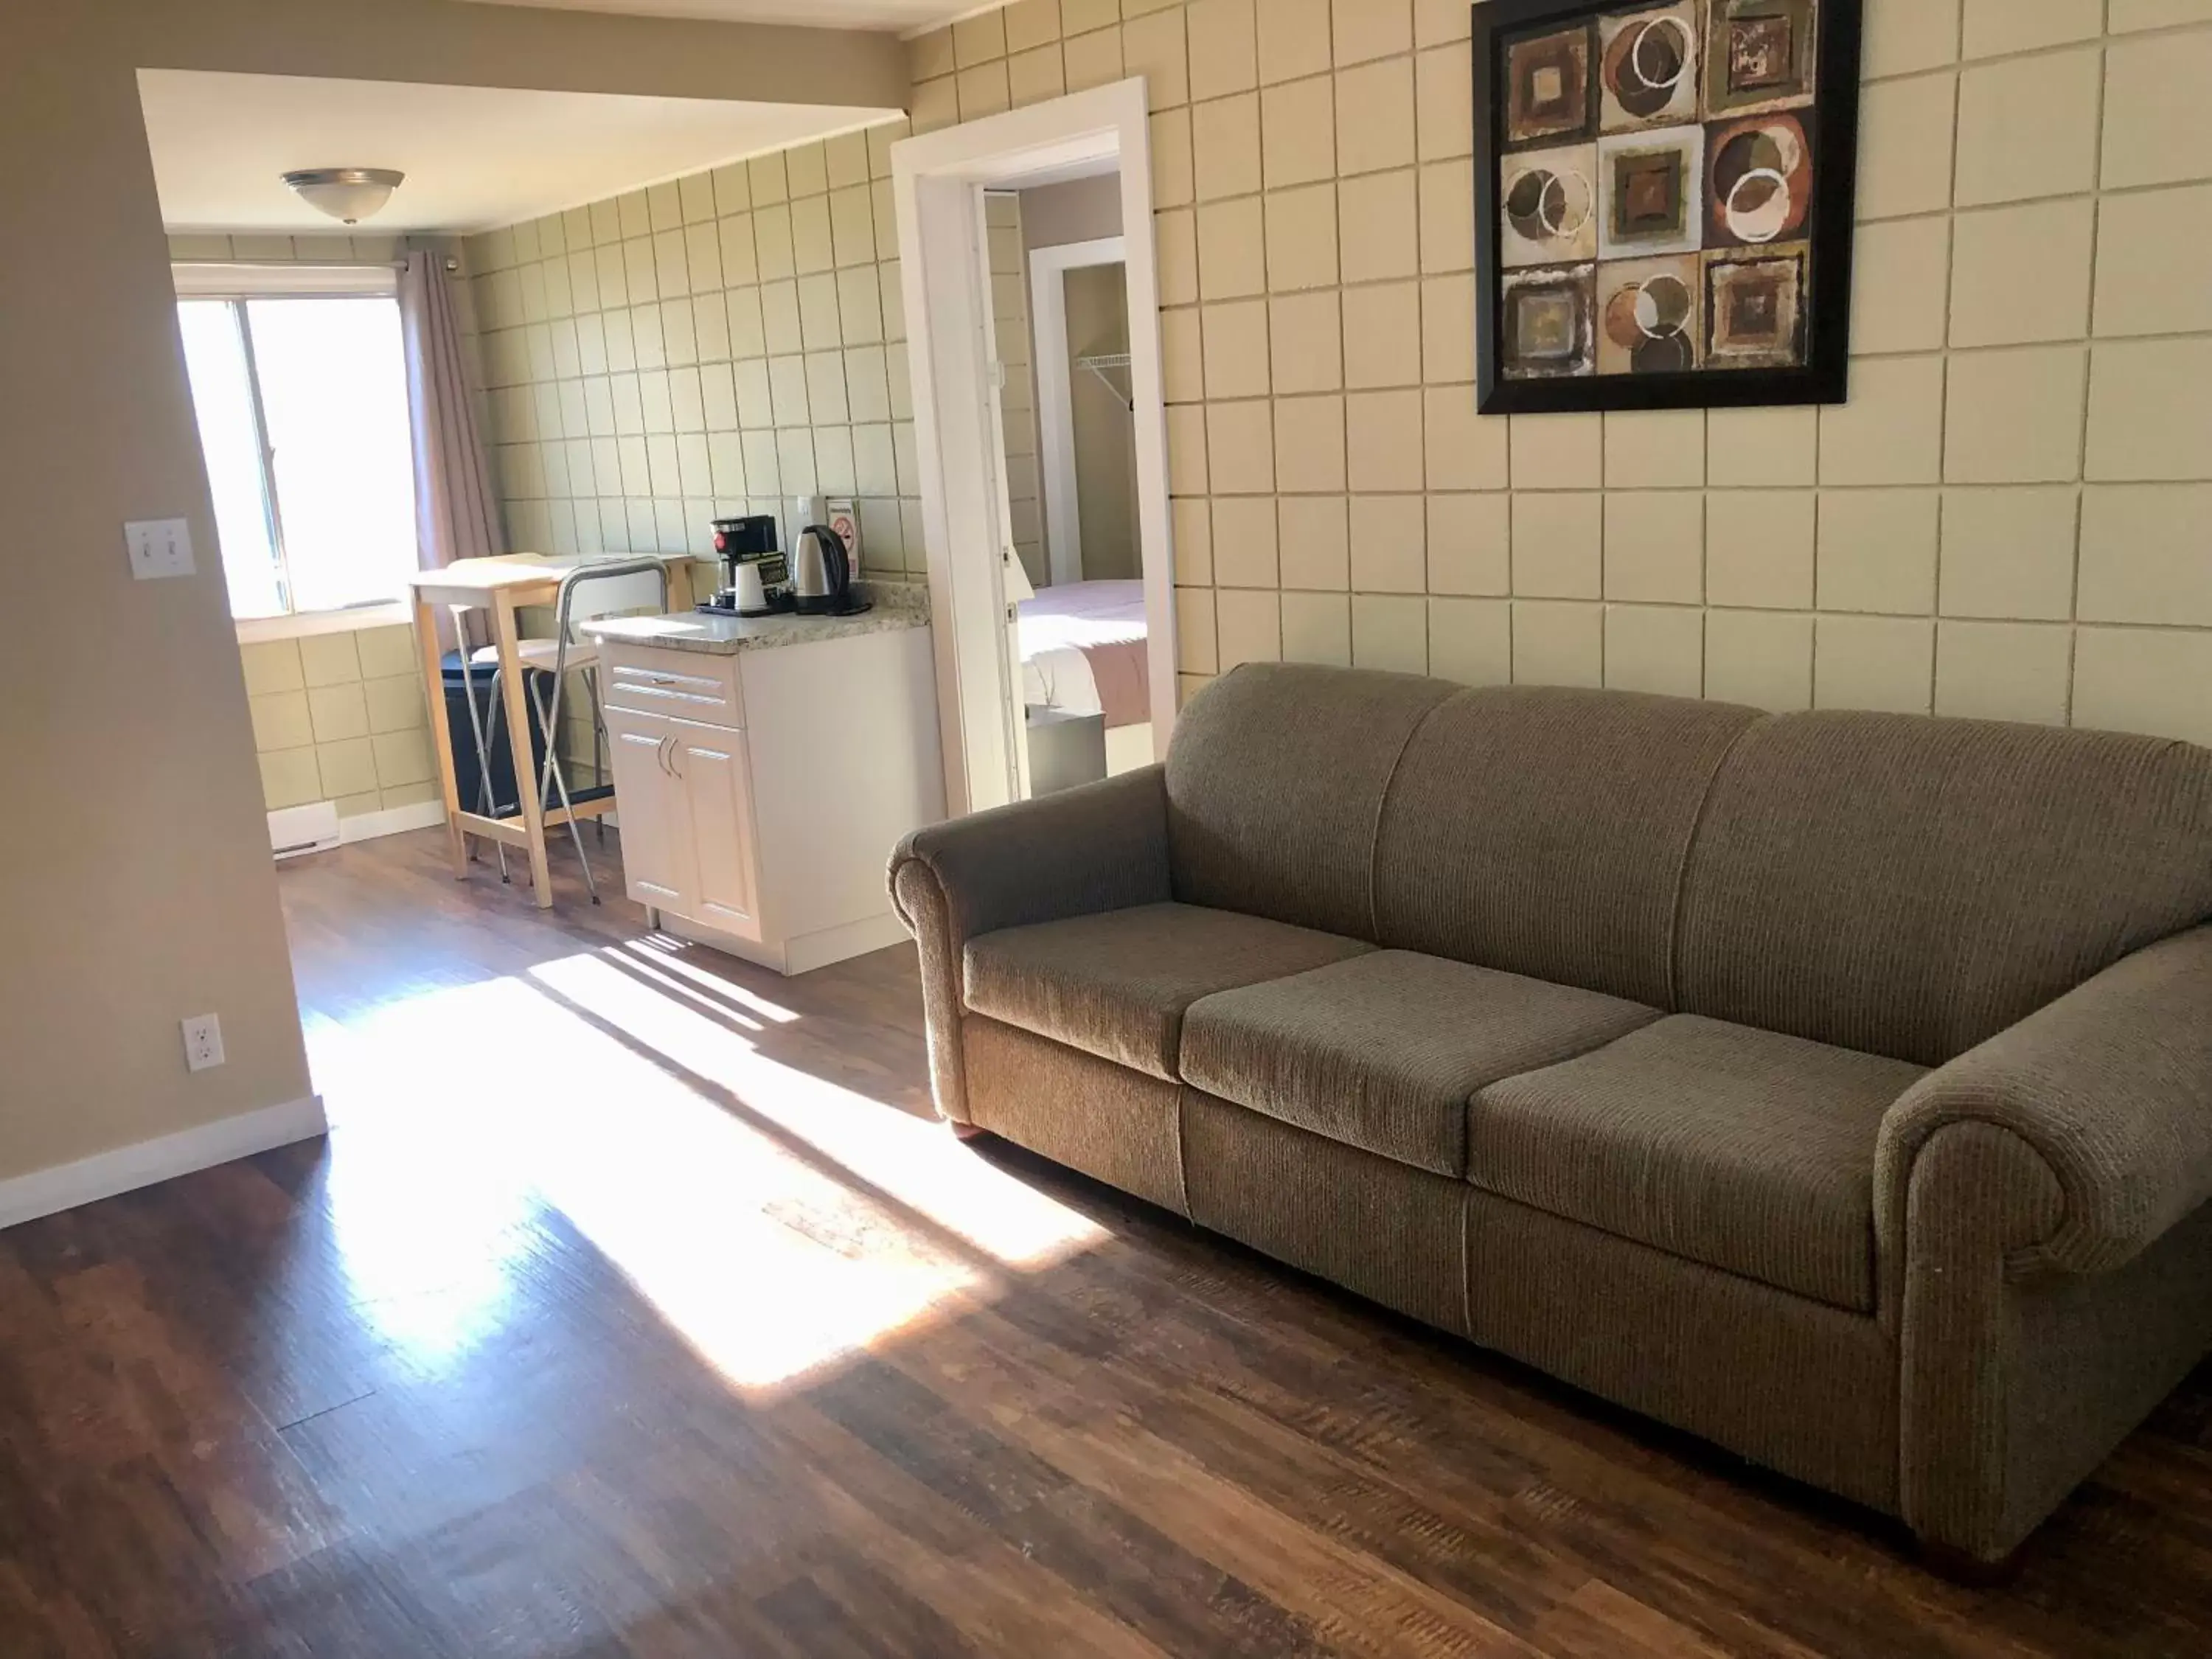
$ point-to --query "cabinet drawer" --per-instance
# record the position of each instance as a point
(687, 684)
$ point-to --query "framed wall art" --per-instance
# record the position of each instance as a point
(1664, 196)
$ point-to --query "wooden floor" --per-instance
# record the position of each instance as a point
(634, 1309)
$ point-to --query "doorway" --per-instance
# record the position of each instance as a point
(1032, 308)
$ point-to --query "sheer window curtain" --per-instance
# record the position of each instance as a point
(455, 514)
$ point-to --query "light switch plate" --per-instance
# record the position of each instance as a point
(159, 548)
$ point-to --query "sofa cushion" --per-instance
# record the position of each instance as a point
(1746, 1151)
(1381, 1052)
(1274, 784)
(1542, 831)
(1912, 887)
(1115, 984)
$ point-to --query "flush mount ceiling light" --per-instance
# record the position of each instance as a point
(350, 194)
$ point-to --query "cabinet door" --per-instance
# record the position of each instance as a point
(655, 818)
(717, 787)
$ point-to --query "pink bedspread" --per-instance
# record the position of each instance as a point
(1105, 622)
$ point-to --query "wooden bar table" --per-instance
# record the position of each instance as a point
(503, 586)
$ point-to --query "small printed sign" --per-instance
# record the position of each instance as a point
(844, 518)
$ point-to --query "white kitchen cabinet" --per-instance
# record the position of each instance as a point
(712, 778)
(646, 792)
(687, 818)
(761, 790)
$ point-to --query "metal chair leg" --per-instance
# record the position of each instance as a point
(485, 797)
(599, 745)
(564, 633)
(553, 776)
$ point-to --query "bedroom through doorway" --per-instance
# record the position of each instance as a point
(1032, 309)
(1067, 436)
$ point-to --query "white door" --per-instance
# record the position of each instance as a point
(713, 777)
(655, 822)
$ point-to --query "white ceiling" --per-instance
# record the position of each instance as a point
(905, 15)
(474, 156)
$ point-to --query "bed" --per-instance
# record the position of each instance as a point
(1083, 650)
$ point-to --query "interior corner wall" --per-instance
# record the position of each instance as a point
(2006, 520)
(137, 886)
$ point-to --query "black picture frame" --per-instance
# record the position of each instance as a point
(1823, 378)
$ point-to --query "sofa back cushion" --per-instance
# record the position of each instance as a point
(1542, 831)
(1274, 784)
(1911, 887)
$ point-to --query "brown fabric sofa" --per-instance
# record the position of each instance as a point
(1835, 1086)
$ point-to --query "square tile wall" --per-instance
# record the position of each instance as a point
(720, 345)
(341, 717)
(2034, 191)
(1991, 394)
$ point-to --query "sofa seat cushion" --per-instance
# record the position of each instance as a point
(1381, 1052)
(1115, 984)
(1746, 1151)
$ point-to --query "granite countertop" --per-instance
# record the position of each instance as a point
(898, 606)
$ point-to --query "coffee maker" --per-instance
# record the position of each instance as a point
(755, 578)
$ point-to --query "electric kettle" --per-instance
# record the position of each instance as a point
(821, 574)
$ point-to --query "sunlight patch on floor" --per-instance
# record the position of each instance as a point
(775, 1219)
(663, 952)
(915, 1160)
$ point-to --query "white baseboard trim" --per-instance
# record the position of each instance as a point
(48, 1192)
(366, 826)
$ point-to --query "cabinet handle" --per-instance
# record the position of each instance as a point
(660, 754)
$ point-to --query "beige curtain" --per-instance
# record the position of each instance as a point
(455, 514)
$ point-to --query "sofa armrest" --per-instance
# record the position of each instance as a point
(1102, 846)
(2110, 1089)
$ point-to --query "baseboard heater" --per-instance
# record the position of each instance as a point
(296, 830)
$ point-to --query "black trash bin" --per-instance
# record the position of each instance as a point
(493, 712)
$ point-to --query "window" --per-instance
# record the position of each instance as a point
(302, 408)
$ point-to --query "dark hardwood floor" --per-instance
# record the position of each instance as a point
(634, 1308)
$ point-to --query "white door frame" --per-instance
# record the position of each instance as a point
(937, 179)
(1055, 410)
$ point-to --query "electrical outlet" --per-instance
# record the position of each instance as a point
(202, 1043)
(159, 547)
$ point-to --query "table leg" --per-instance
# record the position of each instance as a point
(442, 736)
(516, 696)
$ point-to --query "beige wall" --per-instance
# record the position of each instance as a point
(1080, 210)
(1053, 215)
(2007, 520)
(1105, 434)
(137, 887)
(713, 346)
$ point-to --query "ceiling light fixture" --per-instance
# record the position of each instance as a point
(350, 194)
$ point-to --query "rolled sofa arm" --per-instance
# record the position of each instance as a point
(2109, 1088)
(1100, 846)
